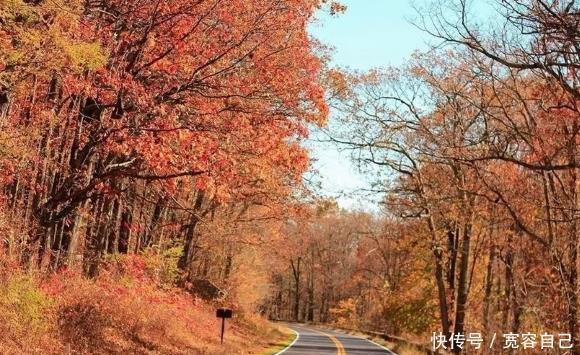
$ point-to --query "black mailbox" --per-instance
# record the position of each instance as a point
(224, 313)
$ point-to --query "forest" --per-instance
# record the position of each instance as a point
(154, 165)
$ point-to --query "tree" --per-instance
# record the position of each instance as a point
(151, 115)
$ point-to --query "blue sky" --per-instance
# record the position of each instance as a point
(372, 33)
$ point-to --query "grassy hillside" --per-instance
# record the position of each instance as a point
(124, 311)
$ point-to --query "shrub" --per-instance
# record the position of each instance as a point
(345, 314)
(152, 264)
(162, 266)
(122, 311)
(26, 321)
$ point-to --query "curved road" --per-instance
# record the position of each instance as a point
(313, 341)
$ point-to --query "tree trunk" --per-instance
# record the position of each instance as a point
(488, 284)
(186, 259)
(440, 279)
(462, 284)
(296, 274)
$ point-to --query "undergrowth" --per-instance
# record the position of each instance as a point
(130, 308)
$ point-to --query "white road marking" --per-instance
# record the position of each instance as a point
(382, 347)
(391, 352)
(291, 344)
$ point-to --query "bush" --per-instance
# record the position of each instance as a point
(153, 265)
(123, 311)
(345, 314)
(162, 266)
(118, 313)
(26, 321)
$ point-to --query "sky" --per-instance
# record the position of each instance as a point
(371, 34)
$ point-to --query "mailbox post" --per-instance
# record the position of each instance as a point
(223, 313)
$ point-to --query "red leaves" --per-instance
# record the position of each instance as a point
(202, 82)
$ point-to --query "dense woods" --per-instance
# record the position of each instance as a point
(166, 130)
(148, 147)
(474, 146)
(126, 124)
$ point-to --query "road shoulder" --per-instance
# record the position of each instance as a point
(283, 339)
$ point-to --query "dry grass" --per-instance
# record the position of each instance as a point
(407, 350)
(280, 337)
(118, 313)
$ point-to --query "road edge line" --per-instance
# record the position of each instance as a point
(381, 346)
(291, 344)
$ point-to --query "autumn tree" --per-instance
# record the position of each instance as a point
(145, 120)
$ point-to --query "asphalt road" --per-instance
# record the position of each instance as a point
(314, 341)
